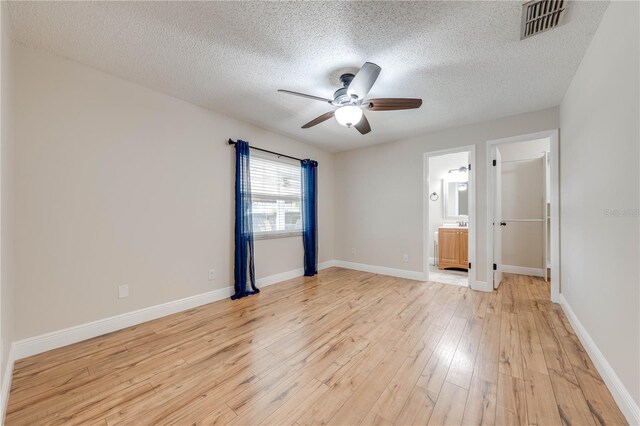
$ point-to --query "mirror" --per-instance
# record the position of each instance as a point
(456, 200)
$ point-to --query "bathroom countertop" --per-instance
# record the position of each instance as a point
(452, 227)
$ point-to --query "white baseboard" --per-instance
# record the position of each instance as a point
(400, 273)
(620, 393)
(273, 279)
(482, 286)
(457, 284)
(522, 270)
(328, 264)
(6, 383)
(56, 339)
(382, 270)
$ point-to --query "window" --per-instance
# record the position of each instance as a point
(275, 198)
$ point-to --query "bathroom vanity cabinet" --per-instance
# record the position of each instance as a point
(453, 247)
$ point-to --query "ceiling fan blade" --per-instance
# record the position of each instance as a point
(318, 120)
(363, 125)
(304, 95)
(363, 81)
(391, 104)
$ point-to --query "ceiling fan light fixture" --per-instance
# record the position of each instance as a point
(348, 115)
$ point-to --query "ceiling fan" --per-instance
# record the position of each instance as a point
(351, 100)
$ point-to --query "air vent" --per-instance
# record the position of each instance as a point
(540, 15)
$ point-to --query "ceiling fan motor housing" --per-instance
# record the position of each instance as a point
(340, 97)
(346, 79)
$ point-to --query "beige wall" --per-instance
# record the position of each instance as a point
(117, 184)
(523, 193)
(599, 153)
(6, 205)
(524, 150)
(378, 198)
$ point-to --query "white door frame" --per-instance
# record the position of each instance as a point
(494, 278)
(426, 234)
(554, 199)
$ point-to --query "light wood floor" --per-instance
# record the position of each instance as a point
(346, 347)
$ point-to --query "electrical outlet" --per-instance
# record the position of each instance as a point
(212, 274)
(405, 257)
(123, 291)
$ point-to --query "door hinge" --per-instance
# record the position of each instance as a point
(469, 167)
(469, 265)
(494, 162)
(495, 267)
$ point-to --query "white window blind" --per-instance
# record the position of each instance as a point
(275, 198)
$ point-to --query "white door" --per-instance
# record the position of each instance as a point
(545, 214)
(497, 217)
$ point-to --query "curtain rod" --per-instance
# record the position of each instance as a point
(232, 142)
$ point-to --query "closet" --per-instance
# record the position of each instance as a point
(521, 231)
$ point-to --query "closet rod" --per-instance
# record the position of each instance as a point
(518, 161)
(522, 220)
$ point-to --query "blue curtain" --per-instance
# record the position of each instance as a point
(310, 216)
(244, 268)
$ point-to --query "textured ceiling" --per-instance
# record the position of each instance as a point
(465, 59)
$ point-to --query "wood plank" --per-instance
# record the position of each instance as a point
(461, 368)
(541, 403)
(481, 403)
(435, 372)
(510, 352)
(601, 404)
(222, 415)
(572, 404)
(195, 394)
(395, 395)
(532, 353)
(297, 404)
(449, 408)
(423, 397)
(374, 419)
(356, 408)
(418, 408)
(487, 360)
(263, 407)
(555, 357)
(342, 386)
(511, 405)
(574, 350)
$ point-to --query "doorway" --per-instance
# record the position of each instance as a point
(523, 208)
(449, 220)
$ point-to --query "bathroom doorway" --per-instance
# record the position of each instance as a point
(449, 216)
(522, 200)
